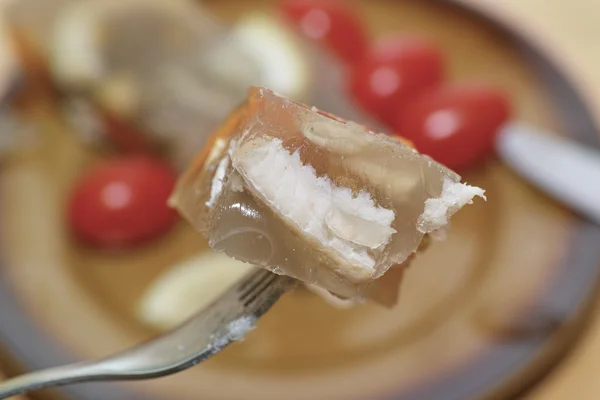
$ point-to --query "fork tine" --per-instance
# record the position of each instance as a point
(251, 279)
(255, 281)
(259, 289)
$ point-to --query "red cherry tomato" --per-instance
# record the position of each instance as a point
(394, 72)
(123, 202)
(331, 23)
(455, 125)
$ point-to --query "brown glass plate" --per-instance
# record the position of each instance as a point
(481, 315)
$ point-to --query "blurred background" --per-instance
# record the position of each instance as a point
(105, 102)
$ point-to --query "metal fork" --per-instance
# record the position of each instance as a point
(228, 319)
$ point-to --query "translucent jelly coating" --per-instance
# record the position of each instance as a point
(301, 193)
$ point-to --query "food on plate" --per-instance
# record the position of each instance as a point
(188, 287)
(394, 73)
(159, 73)
(155, 74)
(282, 56)
(455, 124)
(303, 193)
(330, 23)
(398, 80)
(122, 202)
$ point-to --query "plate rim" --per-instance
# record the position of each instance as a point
(571, 100)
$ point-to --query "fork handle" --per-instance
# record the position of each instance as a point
(196, 340)
(64, 375)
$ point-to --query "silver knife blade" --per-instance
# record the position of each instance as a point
(562, 168)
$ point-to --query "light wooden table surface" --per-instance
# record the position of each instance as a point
(572, 28)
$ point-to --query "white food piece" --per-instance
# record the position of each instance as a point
(454, 196)
(284, 63)
(236, 330)
(334, 136)
(332, 299)
(349, 225)
(120, 94)
(188, 287)
(75, 45)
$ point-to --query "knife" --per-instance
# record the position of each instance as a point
(563, 168)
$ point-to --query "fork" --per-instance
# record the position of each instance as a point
(226, 320)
